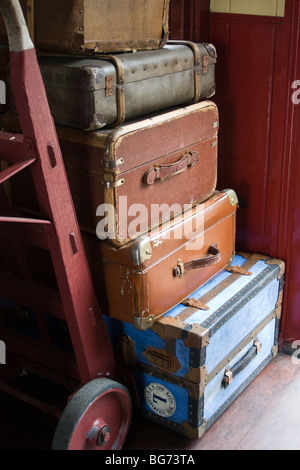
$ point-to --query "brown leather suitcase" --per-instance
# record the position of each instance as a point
(169, 159)
(141, 281)
(96, 25)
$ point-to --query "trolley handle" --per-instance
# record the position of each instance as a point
(17, 31)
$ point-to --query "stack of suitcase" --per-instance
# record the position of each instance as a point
(139, 138)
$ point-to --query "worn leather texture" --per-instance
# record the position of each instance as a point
(141, 293)
(109, 166)
(98, 25)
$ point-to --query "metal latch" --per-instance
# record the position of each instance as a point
(179, 270)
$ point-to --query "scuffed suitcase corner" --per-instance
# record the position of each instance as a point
(211, 49)
(95, 121)
(209, 60)
(194, 433)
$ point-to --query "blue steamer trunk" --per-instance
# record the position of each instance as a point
(191, 365)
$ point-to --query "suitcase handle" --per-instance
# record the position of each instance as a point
(213, 258)
(161, 172)
(241, 365)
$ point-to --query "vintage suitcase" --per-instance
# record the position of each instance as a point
(142, 280)
(169, 159)
(194, 361)
(90, 93)
(96, 25)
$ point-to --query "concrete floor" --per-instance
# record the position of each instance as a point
(266, 416)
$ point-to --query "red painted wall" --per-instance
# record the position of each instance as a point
(189, 20)
(258, 60)
(289, 230)
(259, 138)
(245, 90)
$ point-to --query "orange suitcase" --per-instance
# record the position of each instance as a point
(142, 280)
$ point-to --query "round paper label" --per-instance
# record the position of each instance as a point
(160, 399)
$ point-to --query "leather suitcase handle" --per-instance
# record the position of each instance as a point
(161, 172)
(241, 365)
(213, 258)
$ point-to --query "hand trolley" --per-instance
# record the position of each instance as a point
(98, 411)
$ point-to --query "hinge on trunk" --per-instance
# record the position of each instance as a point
(195, 303)
(238, 270)
(113, 184)
(111, 165)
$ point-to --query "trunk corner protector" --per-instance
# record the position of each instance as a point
(143, 323)
(141, 250)
(233, 199)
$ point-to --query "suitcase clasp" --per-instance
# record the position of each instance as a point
(179, 270)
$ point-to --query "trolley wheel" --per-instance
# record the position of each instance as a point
(97, 417)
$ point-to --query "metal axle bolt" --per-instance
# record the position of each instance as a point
(103, 435)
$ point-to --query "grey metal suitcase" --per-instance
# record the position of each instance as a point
(105, 90)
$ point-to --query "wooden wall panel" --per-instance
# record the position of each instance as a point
(259, 148)
(244, 80)
(189, 20)
(288, 246)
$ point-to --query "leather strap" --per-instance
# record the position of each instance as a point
(213, 258)
(161, 172)
(197, 63)
(120, 95)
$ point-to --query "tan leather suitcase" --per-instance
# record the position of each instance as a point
(169, 160)
(141, 281)
(96, 25)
